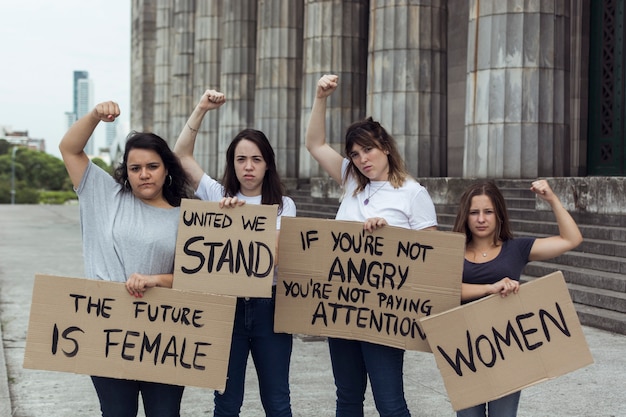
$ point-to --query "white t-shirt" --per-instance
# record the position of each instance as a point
(409, 206)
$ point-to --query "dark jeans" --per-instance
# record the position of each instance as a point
(253, 333)
(120, 397)
(502, 407)
(352, 362)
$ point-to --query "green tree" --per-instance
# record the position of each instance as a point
(4, 146)
(103, 165)
(33, 172)
(41, 170)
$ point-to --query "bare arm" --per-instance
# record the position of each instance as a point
(137, 284)
(72, 145)
(569, 235)
(503, 287)
(329, 159)
(186, 141)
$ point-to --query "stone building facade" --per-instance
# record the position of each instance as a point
(468, 88)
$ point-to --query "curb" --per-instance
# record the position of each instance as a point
(5, 394)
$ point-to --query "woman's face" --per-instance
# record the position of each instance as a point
(371, 161)
(250, 167)
(146, 175)
(481, 219)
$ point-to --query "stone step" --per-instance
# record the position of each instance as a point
(601, 309)
(580, 276)
(591, 296)
(600, 318)
(540, 228)
(595, 297)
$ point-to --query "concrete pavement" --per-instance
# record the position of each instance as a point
(46, 239)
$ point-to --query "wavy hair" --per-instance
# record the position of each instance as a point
(370, 133)
(272, 189)
(489, 189)
(174, 190)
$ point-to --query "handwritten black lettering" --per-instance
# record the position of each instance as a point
(311, 236)
(209, 219)
(101, 306)
(364, 317)
(352, 294)
(65, 335)
(367, 244)
(158, 349)
(163, 312)
(256, 260)
(517, 329)
(413, 250)
(256, 225)
(396, 302)
(376, 274)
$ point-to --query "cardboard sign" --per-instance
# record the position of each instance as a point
(227, 251)
(496, 346)
(96, 328)
(335, 279)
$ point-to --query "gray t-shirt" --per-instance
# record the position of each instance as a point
(121, 234)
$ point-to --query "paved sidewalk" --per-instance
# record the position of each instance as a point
(46, 239)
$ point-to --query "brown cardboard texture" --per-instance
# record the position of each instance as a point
(335, 279)
(228, 251)
(496, 346)
(96, 328)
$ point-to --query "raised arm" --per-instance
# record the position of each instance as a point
(72, 146)
(329, 159)
(186, 141)
(569, 235)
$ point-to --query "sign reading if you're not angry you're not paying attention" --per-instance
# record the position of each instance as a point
(337, 280)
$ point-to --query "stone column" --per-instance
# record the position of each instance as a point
(279, 79)
(162, 68)
(143, 45)
(334, 42)
(182, 96)
(206, 75)
(406, 88)
(238, 72)
(516, 101)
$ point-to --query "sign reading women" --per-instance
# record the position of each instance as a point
(495, 346)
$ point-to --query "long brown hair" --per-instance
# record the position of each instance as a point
(489, 189)
(369, 133)
(272, 189)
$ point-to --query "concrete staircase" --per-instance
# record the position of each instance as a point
(595, 271)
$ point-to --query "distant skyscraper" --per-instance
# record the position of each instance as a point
(111, 133)
(78, 75)
(83, 102)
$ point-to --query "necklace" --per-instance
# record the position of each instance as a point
(484, 254)
(370, 193)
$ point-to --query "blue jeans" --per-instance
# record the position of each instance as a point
(253, 332)
(352, 362)
(120, 397)
(502, 407)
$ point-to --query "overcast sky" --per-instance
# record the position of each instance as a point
(42, 43)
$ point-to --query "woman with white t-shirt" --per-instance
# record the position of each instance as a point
(378, 191)
(250, 176)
